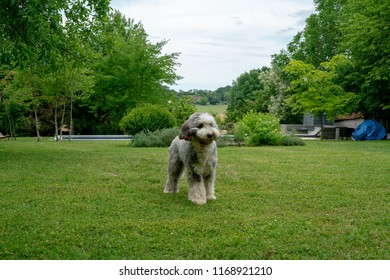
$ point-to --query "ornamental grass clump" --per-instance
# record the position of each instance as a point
(158, 138)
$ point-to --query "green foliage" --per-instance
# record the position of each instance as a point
(147, 118)
(292, 140)
(101, 64)
(257, 129)
(316, 92)
(212, 97)
(275, 89)
(158, 138)
(319, 40)
(34, 31)
(182, 109)
(360, 31)
(67, 47)
(246, 94)
(367, 41)
(130, 70)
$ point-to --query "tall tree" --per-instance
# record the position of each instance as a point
(246, 95)
(26, 89)
(130, 70)
(37, 36)
(38, 30)
(367, 42)
(316, 91)
(319, 40)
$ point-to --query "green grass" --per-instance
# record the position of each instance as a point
(213, 109)
(104, 200)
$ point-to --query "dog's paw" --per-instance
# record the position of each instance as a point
(211, 197)
(198, 201)
(171, 191)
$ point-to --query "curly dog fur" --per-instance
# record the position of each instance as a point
(195, 150)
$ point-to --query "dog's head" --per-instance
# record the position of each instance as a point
(200, 126)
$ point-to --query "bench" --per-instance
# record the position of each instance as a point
(3, 136)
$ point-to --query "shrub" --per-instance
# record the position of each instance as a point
(159, 138)
(147, 118)
(256, 129)
(292, 140)
(182, 109)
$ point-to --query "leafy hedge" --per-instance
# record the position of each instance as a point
(257, 129)
(147, 118)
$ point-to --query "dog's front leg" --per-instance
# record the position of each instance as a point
(209, 185)
(196, 188)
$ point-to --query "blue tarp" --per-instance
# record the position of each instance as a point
(369, 130)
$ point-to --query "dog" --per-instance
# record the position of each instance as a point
(195, 150)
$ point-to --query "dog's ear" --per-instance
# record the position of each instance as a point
(186, 132)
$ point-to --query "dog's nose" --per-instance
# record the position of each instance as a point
(209, 135)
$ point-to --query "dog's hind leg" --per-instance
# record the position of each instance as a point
(175, 170)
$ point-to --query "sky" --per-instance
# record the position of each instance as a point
(218, 40)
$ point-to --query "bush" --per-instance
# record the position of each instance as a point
(182, 109)
(147, 118)
(257, 129)
(292, 140)
(159, 138)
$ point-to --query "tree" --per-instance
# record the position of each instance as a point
(277, 91)
(130, 71)
(11, 114)
(37, 36)
(64, 87)
(315, 91)
(360, 31)
(246, 95)
(74, 44)
(367, 42)
(182, 109)
(26, 89)
(319, 41)
(39, 30)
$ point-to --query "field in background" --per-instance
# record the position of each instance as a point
(105, 200)
(213, 109)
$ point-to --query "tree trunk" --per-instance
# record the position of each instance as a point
(12, 131)
(37, 124)
(55, 121)
(11, 127)
(71, 110)
(1, 95)
(71, 119)
(62, 119)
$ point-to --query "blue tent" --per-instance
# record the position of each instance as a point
(369, 130)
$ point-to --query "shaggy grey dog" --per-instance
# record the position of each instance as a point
(196, 150)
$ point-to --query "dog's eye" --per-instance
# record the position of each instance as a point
(200, 126)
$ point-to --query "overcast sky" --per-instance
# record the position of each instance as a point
(218, 39)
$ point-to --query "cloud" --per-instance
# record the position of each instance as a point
(219, 39)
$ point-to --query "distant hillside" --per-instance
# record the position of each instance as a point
(215, 109)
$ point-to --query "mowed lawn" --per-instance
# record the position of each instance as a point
(105, 200)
